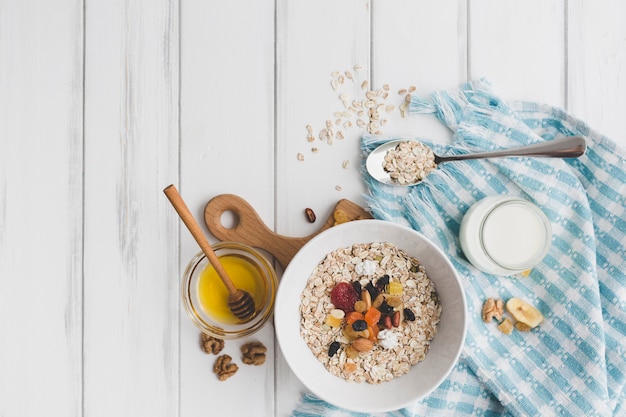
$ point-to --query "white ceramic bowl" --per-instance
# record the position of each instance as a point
(424, 377)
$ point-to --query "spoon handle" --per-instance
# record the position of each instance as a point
(185, 215)
(567, 147)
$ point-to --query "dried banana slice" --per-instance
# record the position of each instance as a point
(524, 312)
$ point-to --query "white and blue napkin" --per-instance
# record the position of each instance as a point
(574, 363)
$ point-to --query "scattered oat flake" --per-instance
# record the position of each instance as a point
(349, 75)
(358, 67)
(364, 85)
(338, 187)
(334, 74)
(402, 91)
(314, 150)
(300, 156)
(345, 164)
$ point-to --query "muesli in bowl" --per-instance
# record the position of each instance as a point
(369, 312)
(439, 355)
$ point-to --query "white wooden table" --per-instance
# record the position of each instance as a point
(104, 103)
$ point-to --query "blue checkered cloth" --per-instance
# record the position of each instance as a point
(574, 363)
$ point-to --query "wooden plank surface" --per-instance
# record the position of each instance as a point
(131, 271)
(227, 146)
(596, 41)
(103, 104)
(41, 214)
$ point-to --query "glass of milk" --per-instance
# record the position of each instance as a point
(505, 235)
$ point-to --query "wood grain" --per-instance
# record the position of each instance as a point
(131, 274)
(251, 230)
(102, 104)
(41, 173)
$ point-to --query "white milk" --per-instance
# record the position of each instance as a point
(513, 235)
(505, 235)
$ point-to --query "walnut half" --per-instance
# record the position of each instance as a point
(224, 368)
(211, 344)
(493, 308)
(253, 353)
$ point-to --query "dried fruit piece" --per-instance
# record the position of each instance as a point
(350, 367)
(353, 316)
(359, 325)
(409, 315)
(340, 216)
(333, 348)
(343, 297)
(394, 288)
(522, 327)
(372, 316)
(332, 321)
(524, 312)
(506, 326)
(360, 306)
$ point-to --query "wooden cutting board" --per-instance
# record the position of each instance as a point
(251, 230)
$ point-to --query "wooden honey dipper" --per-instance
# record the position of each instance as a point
(240, 302)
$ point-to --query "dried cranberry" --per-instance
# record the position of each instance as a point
(343, 297)
(333, 348)
(359, 325)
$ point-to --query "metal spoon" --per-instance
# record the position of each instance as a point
(567, 147)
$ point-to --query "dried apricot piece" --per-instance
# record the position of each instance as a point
(353, 316)
(372, 316)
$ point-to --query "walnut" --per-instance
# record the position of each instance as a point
(211, 344)
(224, 368)
(253, 353)
(493, 308)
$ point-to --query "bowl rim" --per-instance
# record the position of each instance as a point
(288, 341)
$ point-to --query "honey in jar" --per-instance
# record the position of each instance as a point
(213, 295)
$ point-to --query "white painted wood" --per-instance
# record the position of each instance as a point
(316, 43)
(418, 44)
(103, 104)
(131, 303)
(596, 61)
(519, 47)
(227, 146)
(315, 40)
(40, 208)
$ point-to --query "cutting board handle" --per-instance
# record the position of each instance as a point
(250, 229)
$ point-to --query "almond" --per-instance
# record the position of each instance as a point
(363, 345)
(367, 299)
(395, 319)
